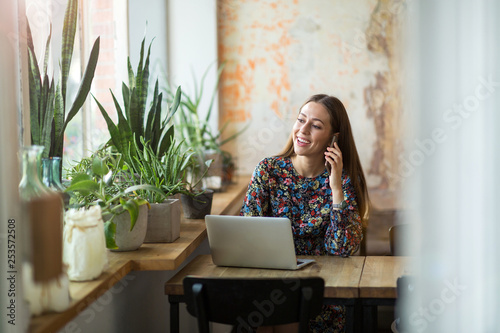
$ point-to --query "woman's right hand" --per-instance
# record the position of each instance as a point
(333, 155)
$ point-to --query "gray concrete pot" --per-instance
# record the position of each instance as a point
(164, 222)
(131, 240)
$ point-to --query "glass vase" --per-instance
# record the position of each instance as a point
(45, 283)
(51, 177)
(51, 173)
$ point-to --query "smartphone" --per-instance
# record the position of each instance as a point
(327, 164)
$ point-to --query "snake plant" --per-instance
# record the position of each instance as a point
(135, 120)
(48, 100)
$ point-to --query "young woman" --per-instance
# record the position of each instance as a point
(321, 189)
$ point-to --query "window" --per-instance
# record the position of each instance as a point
(104, 18)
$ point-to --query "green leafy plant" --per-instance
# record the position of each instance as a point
(194, 129)
(104, 180)
(195, 176)
(135, 121)
(167, 172)
(48, 100)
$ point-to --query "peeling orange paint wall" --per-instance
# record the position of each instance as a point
(279, 52)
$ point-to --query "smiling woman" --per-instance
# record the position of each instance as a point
(328, 117)
(327, 209)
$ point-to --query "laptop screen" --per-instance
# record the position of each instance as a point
(242, 241)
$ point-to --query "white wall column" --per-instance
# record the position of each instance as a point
(192, 43)
(454, 192)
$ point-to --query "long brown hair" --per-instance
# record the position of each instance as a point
(352, 165)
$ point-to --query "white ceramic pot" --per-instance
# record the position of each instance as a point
(131, 240)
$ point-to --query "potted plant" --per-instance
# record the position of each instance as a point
(196, 201)
(104, 180)
(50, 112)
(168, 174)
(135, 120)
(144, 137)
(197, 133)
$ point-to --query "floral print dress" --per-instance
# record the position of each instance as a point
(277, 189)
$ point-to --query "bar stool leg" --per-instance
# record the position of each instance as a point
(174, 314)
(370, 319)
(357, 326)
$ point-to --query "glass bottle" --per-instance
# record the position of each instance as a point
(30, 185)
(51, 177)
(45, 283)
(51, 174)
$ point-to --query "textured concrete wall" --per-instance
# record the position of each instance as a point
(279, 52)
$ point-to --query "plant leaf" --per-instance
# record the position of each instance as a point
(99, 167)
(134, 118)
(152, 121)
(29, 37)
(84, 186)
(48, 121)
(131, 81)
(110, 232)
(82, 93)
(175, 104)
(80, 177)
(116, 137)
(58, 120)
(138, 79)
(126, 99)
(123, 125)
(157, 123)
(232, 136)
(145, 83)
(144, 187)
(34, 87)
(212, 99)
(68, 40)
(133, 209)
(165, 141)
(47, 52)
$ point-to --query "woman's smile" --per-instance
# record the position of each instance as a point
(302, 142)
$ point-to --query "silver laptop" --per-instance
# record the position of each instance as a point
(259, 242)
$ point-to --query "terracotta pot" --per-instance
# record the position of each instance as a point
(164, 222)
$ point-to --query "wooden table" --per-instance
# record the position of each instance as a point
(149, 257)
(378, 285)
(341, 275)
(360, 283)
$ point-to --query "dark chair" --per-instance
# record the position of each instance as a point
(250, 303)
(397, 234)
